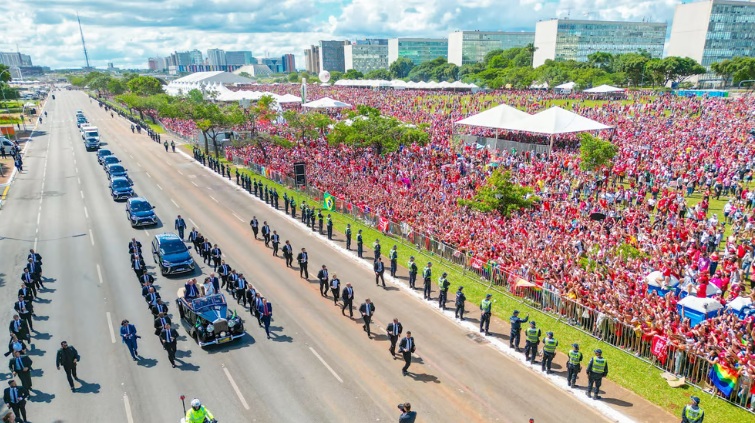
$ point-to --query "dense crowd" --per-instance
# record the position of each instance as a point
(676, 156)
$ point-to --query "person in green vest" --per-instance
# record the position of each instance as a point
(692, 413)
(532, 339)
(329, 227)
(393, 256)
(573, 366)
(549, 351)
(427, 274)
(486, 307)
(443, 285)
(293, 207)
(348, 236)
(597, 369)
(376, 249)
(413, 270)
(360, 244)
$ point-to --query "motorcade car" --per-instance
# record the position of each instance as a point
(171, 255)
(121, 189)
(102, 153)
(116, 170)
(108, 160)
(140, 212)
(208, 321)
(91, 143)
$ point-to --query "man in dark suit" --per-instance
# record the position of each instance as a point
(215, 282)
(68, 357)
(276, 240)
(169, 338)
(19, 327)
(303, 259)
(15, 398)
(147, 278)
(180, 225)
(160, 321)
(137, 263)
(368, 310)
(254, 223)
(406, 348)
(217, 255)
(322, 276)
(224, 271)
(347, 295)
(239, 289)
(134, 247)
(25, 309)
(266, 313)
(335, 288)
(20, 365)
(266, 233)
(193, 235)
(379, 269)
(36, 272)
(288, 253)
(28, 282)
(191, 290)
(152, 297)
(161, 307)
(394, 330)
(26, 292)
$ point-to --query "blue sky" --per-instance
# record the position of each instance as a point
(127, 32)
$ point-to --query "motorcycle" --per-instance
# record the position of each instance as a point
(183, 419)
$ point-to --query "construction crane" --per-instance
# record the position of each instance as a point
(83, 43)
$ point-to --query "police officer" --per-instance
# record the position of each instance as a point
(276, 239)
(427, 274)
(485, 309)
(393, 256)
(532, 339)
(597, 369)
(288, 253)
(443, 285)
(330, 227)
(413, 270)
(293, 207)
(360, 243)
(285, 201)
(376, 249)
(459, 302)
(335, 288)
(303, 259)
(312, 220)
(573, 365)
(348, 236)
(379, 269)
(322, 276)
(516, 329)
(320, 221)
(549, 351)
(692, 413)
(255, 226)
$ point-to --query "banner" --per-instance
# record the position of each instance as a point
(476, 263)
(383, 224)
(659, 348)
(328, 202)
(723, 378)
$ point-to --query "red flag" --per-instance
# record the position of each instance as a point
(383, 224)
(659, 348)
(476, 263)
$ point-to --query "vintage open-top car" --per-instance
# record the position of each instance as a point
(207, 319)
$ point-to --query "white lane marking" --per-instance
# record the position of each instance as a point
(39, 216)
(326, 365)
(86, 213)
(214, 199)
(99, 274)
(110, 326)
(158, 185)
(237, 217)
(91, 237)
(195, 184)
(174, 203)
(127, 404)
(138, 164)
(148, 175)
(179, 172)
(77, 178)
(193, 223)
(146, 232)
(35, 244)
(131, 155)
(82, 194)
(235, 387)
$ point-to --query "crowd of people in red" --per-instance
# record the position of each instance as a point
(676, 155)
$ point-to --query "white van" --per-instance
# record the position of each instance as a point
(6, 145)
(90, 132)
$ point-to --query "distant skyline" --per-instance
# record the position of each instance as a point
(128, 33)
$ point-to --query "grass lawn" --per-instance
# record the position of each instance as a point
(156, 128)
(632, 373)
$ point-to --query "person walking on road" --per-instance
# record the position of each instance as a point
(406, 348)
(255, 224)
(15, 397)
(597, 369)
(180, 226)
(25, 310)
(368, 310)
(379, 269)
(394, 330)
(516, 329)
(347, 295)
(459, 303)
(173, 145)
(691, 413)
(266, 233)
(486, 306)
(335, 288)
(288, 253)
(129, 337)
(573, 366)
(532, 340)
(322, 276)
(266, 313)
(276, 240)
(169, 339)
(165, 144)
(20, 365)
(303, 259)
(68, 357)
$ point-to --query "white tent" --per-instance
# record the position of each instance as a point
(539, 86)
(604, 89)
(497, 117)
(326, 103)
(555, 121)
(566, 86)
(289, 98)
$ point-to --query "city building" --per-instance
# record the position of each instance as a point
(565, 39)
(289, 63)
(216, 57)
(275, 64)
(331, 55)
(366, 55)
(418, 50)
(14, 59)
(152, 64)
(241, 57)
(254, 71)
(196, 57)
(713, 31)
(468, 47)
(312, 59)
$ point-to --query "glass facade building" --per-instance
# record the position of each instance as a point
(418, 50)
(564, 39)
(468, 47)
(366, 55)
(331, 56)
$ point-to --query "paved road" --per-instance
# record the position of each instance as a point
(319, 367)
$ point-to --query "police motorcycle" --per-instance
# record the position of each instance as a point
(193, 403)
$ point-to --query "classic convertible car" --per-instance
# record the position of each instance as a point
(207, 319)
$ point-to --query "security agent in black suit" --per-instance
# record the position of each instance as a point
(276, 239)
(254, 223)
(266, 233)
(137, 263)
(394, 330)
(322, 276)
(406, 347)
(368, 310)
(379, 269)
(68, 357)
(335, 288)
(15, 397)
(303, 259)
(288, 253)
(25, 310)
(347, 295)
(28, 281)
(169, 339)
(134, 247)
(19, 327)
(161, 307)
(20, 365)
(160, 321)
(147, 278)
(224, 271)
(26, 292)
(152, 297)
(36, 273)
(239, 288)
(217, 255)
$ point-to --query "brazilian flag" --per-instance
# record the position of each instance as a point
(328, 202)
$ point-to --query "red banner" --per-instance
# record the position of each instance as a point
(382, 224)
(476, 263)
(659, 348)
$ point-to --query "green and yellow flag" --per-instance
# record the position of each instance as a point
(328, 202)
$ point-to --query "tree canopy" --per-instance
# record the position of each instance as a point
(500, 193)
(735, 70)
(595, 153)
(367, 128)
(401, 67)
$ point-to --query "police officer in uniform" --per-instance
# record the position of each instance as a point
(320, 222)
(443, 285)
(459, 302)
(516, 329)
(348, 236)
(360, 243)
(285, 201)
(532, 339)
(329, 227)
(303, 258)
(549, 351)
(393, 256)
(288, 253)
(597, 369)
(486, 306)
(427, 274)
(376, 248)
(293, 207)
(276, 239)
(573, 366)
(413, 270)
(692, 413)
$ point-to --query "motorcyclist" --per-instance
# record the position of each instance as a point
(198, 414)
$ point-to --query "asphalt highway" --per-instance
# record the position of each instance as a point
(319, 367)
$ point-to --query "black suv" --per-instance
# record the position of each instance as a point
(171, 255)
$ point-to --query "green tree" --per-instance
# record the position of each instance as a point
(5, 75)
(145, 86)
(370, 130)
(735, 70)
(634, 67)
(335, 76)
(99, 82)
(381, 74)
(116, 86)
(401, 67)
(595, 153)
(210, 118)
(502, 194)
(601, 60)
(674, 69)
(353, 74)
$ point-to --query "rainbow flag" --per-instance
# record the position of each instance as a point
(724, 378)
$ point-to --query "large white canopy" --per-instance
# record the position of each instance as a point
(555, 121)
(399, 84)
(289, 98)
(497, 117)
(566, 86)
(326, 103)
(604, 89)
